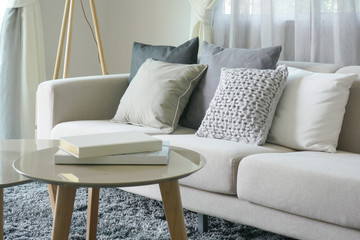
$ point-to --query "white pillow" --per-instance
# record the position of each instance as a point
(310, 112)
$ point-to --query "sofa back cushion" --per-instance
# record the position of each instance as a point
(349, 139)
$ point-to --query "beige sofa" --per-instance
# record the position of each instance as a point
(300, 194)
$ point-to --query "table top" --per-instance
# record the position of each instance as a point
(40, 166)
(10, 150)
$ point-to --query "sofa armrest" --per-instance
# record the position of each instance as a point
(81, 98)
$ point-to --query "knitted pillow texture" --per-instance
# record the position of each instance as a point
(244, 104)
(217, 57)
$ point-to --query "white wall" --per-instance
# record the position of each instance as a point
(121, 23)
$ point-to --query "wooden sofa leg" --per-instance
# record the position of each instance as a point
(203, 223)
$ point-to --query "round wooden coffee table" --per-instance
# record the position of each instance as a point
(39, 165)
(10, 150)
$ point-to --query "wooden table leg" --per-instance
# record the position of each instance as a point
(170, 193)
(63, 212)
(1, 213)
(52, 189)
(92, 213)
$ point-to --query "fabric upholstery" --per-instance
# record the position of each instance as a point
(317, 185)
(66, 103)
(244, 104)
(158, 94)
(350, 133)
(236, 210)
(217, 57)
(313, 67)
(78, 98)
(185, 53)
(84, 127)
(222, 160)
(310, 113)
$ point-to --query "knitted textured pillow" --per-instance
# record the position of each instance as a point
(244, 104)
(217, 57)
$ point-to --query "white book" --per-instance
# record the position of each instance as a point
(105, 144)
(145, 158)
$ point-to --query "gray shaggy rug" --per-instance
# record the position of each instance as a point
(122, 215)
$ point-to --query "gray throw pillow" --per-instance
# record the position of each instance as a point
(158, 94)
(244, 105)
(186, 53)
(216, 58)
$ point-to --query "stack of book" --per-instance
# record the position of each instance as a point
(113, 148)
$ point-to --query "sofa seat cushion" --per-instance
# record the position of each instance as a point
(222, 160)
(85, 127)
(322, 186)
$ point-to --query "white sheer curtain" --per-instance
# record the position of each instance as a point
(315, 31)
(22, 67)
(3, 6)
(200, 24)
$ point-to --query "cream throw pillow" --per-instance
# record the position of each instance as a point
(310, 113)
(158, 94)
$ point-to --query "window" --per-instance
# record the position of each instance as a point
(252, 6)
(227, 6)
(309, 30)
(327, 6)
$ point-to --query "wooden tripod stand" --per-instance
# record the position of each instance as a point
(67, 22)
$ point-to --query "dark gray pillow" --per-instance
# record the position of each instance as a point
(216, 58)
(186, 53)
